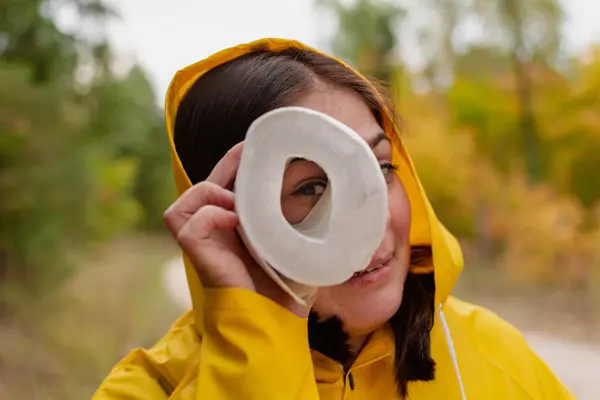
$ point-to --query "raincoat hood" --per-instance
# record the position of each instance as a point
(425, 227)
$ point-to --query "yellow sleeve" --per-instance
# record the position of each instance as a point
(155, 374)
(251, 349)
(134, 378)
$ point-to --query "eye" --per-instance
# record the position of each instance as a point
(388, 170)
(312, 188)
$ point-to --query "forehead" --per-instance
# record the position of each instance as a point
(344, 105)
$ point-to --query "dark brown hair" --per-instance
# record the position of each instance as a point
(215, 114)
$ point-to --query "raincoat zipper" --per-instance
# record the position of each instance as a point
(351, 380)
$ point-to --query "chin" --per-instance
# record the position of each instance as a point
(365, 315)
(364, 308)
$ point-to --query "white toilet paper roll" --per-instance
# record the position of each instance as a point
(344, 228)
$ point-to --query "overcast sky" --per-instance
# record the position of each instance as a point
(165, 35)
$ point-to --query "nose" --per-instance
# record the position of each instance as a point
(383, 250)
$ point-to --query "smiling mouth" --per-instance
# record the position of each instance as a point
(367, 271)
(372, 268)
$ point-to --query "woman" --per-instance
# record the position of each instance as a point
(394, 332)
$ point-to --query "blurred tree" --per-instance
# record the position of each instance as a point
(128, 105)
(37, 163)
(482, 62)
(80, 159)
(31, 36)
(365, 35)
(569, 114)
(531, 30)
(437, 42)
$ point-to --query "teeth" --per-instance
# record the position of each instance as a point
(376, 267)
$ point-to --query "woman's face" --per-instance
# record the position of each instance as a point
(364, 302)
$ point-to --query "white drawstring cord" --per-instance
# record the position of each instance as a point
(452, 352)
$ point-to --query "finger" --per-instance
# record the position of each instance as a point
(202, 194)
(193, 236)
(223, 174)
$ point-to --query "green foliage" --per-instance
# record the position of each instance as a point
(36, 161)
(154, 186)
(493, 120)
(79, 162)
(366, 34)
(112, 208)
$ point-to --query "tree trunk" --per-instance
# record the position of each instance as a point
(527, 120)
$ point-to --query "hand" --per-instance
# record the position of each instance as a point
(203, 222)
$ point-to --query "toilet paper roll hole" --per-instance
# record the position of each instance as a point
(306, 197)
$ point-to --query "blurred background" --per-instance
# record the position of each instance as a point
(501, 107)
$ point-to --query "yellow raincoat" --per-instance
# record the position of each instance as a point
(237, 345)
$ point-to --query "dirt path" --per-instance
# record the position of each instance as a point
(577, 365)
(176, 284)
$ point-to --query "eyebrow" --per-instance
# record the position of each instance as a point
(380, 137)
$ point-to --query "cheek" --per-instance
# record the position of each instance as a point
(295, 209)
(399, 209)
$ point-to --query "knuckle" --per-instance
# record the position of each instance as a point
(206, 188)
(185, 238)
(195, 230)
(168, 215)
(208, 212)
(206, 185)
(204, 214)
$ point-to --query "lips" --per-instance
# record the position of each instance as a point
(374, 266)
